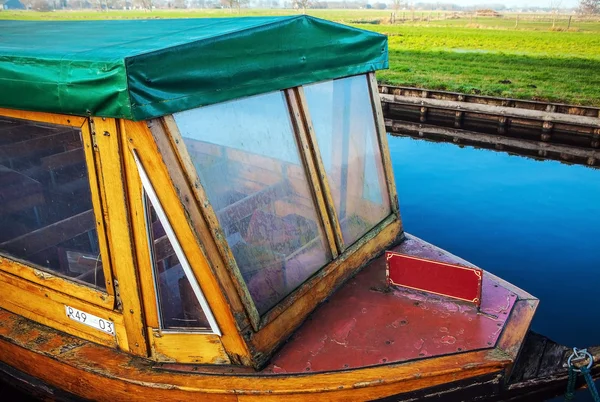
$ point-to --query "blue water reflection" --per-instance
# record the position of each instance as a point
(535, 224)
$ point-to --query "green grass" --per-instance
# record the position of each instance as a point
(540, 65)
(480, 55)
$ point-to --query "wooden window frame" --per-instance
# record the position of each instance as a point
(313, 167)
(381, 134)
(383, 143)
(43, 276)
(148, 190)
(42, 296)
(146, 139)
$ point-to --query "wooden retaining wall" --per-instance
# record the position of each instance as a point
(541, 130)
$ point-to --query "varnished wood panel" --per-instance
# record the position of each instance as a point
(140, 138)
(92, 160)
(107, 140)
(516, 328)
(105, 374)
(47, 306)
(383, 143)
(139, 234)
(55, 282)
(194, 348)
(65, 120)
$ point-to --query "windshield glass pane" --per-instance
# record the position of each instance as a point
(178, 305)
(344, 125)
(46, 216)
(246, 156)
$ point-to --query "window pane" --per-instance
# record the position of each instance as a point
(246, 156)
(178, 305)
(45, 202)
(342, 117)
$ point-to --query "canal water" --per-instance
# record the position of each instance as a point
(534, 223)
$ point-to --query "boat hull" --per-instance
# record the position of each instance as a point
(64, 367)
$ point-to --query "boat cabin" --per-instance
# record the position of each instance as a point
(194, 187)
(178, 196)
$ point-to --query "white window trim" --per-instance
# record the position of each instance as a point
(187, 269)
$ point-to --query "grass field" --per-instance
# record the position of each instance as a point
(474, 55)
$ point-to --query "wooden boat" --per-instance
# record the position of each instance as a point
(198, 209)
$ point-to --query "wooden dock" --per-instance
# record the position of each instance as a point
(542, 130)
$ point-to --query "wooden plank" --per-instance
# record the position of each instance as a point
(51, 235)
(246, 206)
(97, 193)
(489, 100)
(196, 348)
(119, 235)
(21, 203)
(383, 144)
(551, 359)
(311, 172)
(47, 306)
(320, 168)
(63, 159)
(105, 374)
(528, 364)
(252, 159)
(473, 388)
(256, 174)
(515, 330)
(37, 144)
(140, 233)
(495, 110)
(154, 149)
(44, 278)
(64, 120)
(295, 205)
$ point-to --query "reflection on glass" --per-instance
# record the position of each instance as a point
(46, 215)
(344, 124)
(178, 305)
(247, 159)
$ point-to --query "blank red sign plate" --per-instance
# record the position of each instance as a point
(450, 280)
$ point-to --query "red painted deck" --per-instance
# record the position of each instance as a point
(365, 324)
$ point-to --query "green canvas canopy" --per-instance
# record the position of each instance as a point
(140, 69)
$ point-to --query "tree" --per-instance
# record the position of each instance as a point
(589, 6)
(554, 6)
(234, 3)
(397, 4)
(145, 4)
(301, 4)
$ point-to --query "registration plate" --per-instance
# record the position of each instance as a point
(91, 320)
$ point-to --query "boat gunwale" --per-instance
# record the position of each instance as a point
(474, 362)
